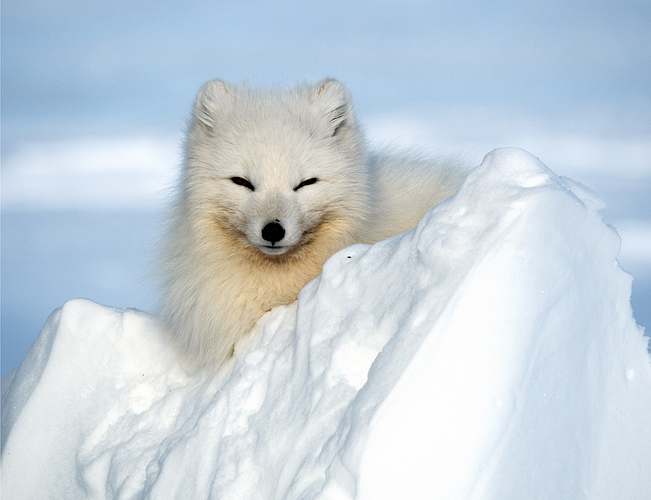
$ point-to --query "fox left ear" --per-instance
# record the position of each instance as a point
(333, 101)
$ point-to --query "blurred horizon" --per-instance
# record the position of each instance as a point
(96, 94)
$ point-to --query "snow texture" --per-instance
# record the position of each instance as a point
(489, 353)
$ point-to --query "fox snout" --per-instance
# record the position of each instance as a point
(274, 238)
(273, 232)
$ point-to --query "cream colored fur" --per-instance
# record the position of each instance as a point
(221, 275)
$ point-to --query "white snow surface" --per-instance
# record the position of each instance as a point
(489, 353)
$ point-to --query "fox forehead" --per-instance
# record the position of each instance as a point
(268, 159)
(271, 167)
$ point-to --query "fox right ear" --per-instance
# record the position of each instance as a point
(333, 101)
(212, 98)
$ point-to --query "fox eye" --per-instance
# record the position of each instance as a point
(240, 181)
(306, 182)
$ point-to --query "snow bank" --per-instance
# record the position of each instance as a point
(489, 353)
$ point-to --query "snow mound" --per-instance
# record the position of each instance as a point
(489, 353)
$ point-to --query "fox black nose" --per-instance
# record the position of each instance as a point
(273, 232)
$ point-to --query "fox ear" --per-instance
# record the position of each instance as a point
(212, 98)
(333, 101)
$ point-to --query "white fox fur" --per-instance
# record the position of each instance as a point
(275, 182)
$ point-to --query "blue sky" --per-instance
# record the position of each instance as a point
(95, 95)
(73, 64)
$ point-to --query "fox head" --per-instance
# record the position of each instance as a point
(276, 170)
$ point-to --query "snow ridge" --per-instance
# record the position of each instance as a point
(489, 353)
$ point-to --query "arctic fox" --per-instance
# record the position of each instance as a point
(274, 182)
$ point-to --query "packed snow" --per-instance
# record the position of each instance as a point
(489, 353)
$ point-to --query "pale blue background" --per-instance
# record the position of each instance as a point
(570, 81)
